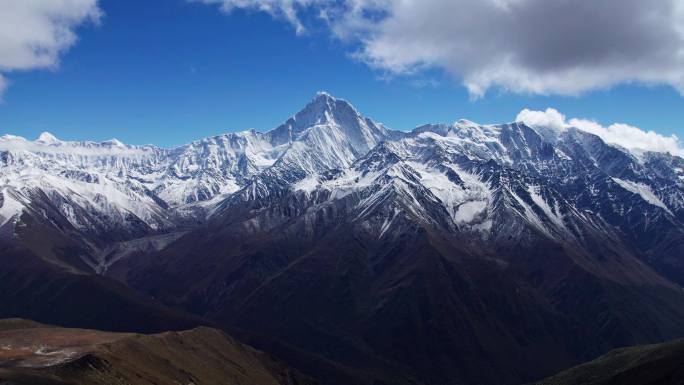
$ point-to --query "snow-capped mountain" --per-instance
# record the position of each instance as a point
(506, 181)
(437, 247)
(106, 185)
(489, 180)
(336, 240)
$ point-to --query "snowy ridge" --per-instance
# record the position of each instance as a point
(500, 180)
(117, 183)
(11, 205)
(642, 190)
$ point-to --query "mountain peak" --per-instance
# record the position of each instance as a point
(47, 138)
(323, 95)
(327, 105)
(466, 122)
(322, 109)
(114, 142)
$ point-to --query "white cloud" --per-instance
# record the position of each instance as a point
(528, 46)
(34, 33)
(550, 118)
(629, 137)
(286, 9)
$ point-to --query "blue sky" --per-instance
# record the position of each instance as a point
(170, 71)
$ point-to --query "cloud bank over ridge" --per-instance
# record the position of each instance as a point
(563, 47)
(629, 137)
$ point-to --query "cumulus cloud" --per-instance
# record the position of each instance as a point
(34, 33)
(550, 118)
(528, 46)
(624, 135)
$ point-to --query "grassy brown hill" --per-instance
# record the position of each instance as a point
(658, 364)
(36, 354)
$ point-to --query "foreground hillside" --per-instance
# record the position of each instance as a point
(639, 365)
(32, 353)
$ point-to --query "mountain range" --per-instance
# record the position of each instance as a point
(451, 254)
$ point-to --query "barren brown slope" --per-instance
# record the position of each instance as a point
(658, 364)
(33, 354)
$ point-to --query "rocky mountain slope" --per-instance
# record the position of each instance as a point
(36, 354)
(454, 253)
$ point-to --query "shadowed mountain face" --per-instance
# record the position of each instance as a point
(42, 278)
(452, 254)
(639, 365)
(35, 354)
(414, 304)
